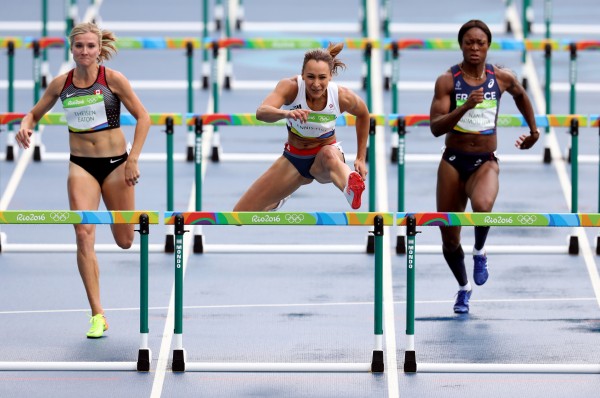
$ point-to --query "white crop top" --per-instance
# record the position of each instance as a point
(320, 124)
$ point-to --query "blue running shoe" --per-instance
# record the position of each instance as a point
(461, 305)
(480, 269)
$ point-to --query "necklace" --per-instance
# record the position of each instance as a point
(471, 76)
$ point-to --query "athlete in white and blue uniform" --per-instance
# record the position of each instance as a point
(465, 109)
(311, 103)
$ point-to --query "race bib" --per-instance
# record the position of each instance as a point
(479, 119)
(86, 113)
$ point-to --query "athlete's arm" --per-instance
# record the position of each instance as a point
(510, 83)
(440, 118)
(284, 93)
(43, 106)
(121, 87)
(350, 102)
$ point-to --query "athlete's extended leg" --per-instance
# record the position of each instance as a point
(451, 197)
(278, 182)
(84, 194)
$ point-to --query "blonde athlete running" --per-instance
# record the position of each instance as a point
(100, 167)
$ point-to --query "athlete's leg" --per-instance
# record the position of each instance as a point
(482, 189)
(329, 166)
(278, 182)
(451, 197)
(117, 195)
(84, 194)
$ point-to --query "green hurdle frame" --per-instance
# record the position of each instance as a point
(378, 220)
(442, 219)
(144, 219)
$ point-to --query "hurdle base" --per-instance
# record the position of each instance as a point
(215, 154)
(573, 244)
(598, 245)
(547, 155)
(170, 244)
(178, 364)
(377, 365)
(198, 244)
(144, 359)
(394, 155)
(190, 154)
(370, 244)
(37, 153)
(10, 153)
(410, 362)
(205, 82)
(400, 244)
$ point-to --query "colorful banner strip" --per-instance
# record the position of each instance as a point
(75, 217)
(279, 218)
(498, 44)
(502, 219)
(293, 43)
(157, 119)
(249, 119)
(516, 120)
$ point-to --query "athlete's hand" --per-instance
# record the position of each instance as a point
(476, 97)
(23, 138)
(132, 172)
(300, 115)
(360, 167)
(526, 141)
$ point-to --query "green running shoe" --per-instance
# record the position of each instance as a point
(99, 326)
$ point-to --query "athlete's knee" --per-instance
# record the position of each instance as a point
(482, 204)
(450, 240)
(124, 236)
(329, 155)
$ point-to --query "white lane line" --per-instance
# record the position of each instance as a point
(391, 365)
(305, 305)
(162, 361)
(559, 164)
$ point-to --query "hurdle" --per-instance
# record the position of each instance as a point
(443, 219)
(249, 120)
(169, 120)
(144, 219)
(378, 220)
(400, 122)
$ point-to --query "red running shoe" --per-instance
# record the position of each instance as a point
(354, 189)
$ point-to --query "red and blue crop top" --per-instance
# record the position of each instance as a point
(91, 109)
